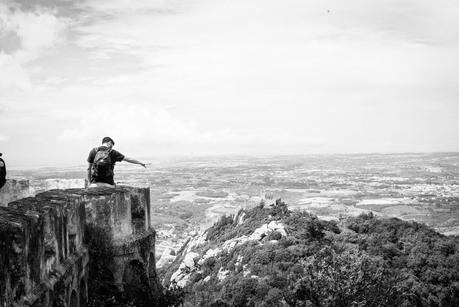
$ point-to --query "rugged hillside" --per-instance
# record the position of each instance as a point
(270, 256)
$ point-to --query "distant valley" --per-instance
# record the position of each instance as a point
(189, 195)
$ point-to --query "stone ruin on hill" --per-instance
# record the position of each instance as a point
(43, 256)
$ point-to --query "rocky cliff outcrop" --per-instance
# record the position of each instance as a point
(271, 256)
(193, 261)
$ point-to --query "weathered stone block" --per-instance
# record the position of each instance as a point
(140, 208)
(21, 254)
(43, 259)
(55, 229)
(73, 207)
(109, 208)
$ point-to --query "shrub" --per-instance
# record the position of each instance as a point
(223, 224)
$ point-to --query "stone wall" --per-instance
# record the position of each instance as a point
(43, 258)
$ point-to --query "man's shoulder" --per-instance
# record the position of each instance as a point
(116, 153)
(117, 156)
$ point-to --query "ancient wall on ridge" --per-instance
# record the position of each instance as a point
(43, 256)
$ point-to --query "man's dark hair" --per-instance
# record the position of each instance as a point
(1, 154)
(108, 139)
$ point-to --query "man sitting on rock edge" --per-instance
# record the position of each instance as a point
(102, 161)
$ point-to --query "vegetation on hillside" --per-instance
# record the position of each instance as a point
(361, 261)
(179, 212)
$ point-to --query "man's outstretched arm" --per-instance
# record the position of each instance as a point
(134, 161)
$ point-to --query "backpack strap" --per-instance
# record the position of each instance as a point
(96, 149)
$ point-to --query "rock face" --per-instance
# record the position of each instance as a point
(43, 256)
(193, 261)
(15, 189)
(43, 259)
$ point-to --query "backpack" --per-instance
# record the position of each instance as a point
(102, 165)
(2, 173)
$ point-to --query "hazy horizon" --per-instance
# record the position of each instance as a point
(220, 77)
(156, 161)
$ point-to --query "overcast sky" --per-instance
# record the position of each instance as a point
(205, 77)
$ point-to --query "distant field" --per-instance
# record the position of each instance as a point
(192, 193)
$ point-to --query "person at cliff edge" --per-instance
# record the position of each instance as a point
(2, 172)
(102, 161)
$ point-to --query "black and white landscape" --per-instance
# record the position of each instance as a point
(206, 208)
(189, 195)
(339, 117)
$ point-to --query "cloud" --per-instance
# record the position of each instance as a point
(125, 25)
(209, 76)
(3, 138)
(35, 33)
(131, 123)
(263, 44)
(125, 7)
(141, 123)
(12, 73)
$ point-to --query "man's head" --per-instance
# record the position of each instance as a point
(1, 154)
(109, 141)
